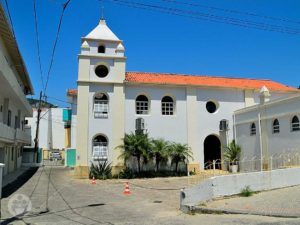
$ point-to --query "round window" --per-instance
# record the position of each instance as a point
(101, 71)
(211, 107)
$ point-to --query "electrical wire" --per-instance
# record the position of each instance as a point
(72, 209)
(65, 5)
(208, 17)
(60, 100)
(231, 11)
(14, 37)
(10, 20)
(58, 122)
(159, 189)
(37, 43)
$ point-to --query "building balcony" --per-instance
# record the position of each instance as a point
(7, 133)
(10, 135)
(23, 136)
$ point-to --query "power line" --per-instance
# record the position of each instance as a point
(21, 63)
(10, 20)
(232, 11)
(37, 43)
(58, 122)
(65, 5)
(61, 100)
(216, 18)
(208, 17)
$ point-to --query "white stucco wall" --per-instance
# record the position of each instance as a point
(13, 99)
(233, 184)
(100, 125)
(158, 125)
(208, 123)
(110, 47)
(56, 133)
(277, 143)
(174, 127)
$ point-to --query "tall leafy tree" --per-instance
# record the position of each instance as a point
(137, 146)
(160, 151)
(179, 153)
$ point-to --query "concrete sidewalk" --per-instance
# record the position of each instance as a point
(9, 178)
(278, 203)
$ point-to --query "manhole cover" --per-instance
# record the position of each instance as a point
(157, 202)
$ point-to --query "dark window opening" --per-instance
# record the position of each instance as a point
(211, 107)
(276, 126)
(101, 49)
(167, 106)
(101, 71)
(212, 151)
(295, 124)
(141, 104)
(253, 129)
(9, 118)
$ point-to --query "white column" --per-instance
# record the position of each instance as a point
(1, 172)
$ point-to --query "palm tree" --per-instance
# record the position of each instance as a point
(135, 145)
(179, 153)
(232, 152)
(160, 151)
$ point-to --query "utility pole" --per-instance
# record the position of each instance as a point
(36, 140)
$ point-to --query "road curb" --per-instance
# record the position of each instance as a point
(204, 210)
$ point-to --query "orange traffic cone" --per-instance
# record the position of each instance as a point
(126, 191)
(93, 181)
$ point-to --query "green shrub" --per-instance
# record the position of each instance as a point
(101, 171)
(246, 192)
(192, 173)
(126, 173)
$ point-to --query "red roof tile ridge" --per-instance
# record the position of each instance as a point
(197, 75)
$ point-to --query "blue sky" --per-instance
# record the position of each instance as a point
(159, 42)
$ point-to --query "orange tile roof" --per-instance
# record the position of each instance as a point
(72, 92)
(207, 81)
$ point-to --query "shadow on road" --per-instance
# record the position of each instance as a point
(19, 182)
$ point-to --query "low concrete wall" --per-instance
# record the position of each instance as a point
(233, 184)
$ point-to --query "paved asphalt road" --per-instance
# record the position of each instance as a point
(76, 201)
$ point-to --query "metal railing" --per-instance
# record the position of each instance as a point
(254, 164)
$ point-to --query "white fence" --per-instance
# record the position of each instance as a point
(255, 164)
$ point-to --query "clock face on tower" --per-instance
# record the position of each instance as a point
(101, 71)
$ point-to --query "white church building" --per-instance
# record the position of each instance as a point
(177, 107)
(269, 132)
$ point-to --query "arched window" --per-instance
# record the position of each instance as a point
(100, 105)
(276, 126)
(253, 129)
(101, 49)
(167, 106)
(100, 148)
(142, 105)
(295, 124)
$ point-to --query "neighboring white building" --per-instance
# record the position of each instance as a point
(15, 84)
(269, 129)
(181, 108)
(52, 128)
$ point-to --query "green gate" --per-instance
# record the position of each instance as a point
(71, 157)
